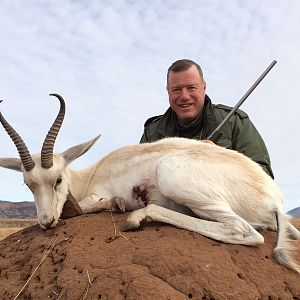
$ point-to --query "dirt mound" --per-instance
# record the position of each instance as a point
(87, 260)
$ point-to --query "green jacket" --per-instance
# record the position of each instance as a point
(238, 133)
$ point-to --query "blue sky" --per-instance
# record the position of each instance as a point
(108, 59)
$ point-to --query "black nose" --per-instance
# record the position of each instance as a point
(48, 224)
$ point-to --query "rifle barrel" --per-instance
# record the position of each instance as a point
(216, 132)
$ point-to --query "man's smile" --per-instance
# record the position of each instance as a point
(186, 105)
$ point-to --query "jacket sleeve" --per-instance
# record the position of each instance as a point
(247, 140)
(144, 138)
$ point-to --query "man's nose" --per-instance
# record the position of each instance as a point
(185, 94)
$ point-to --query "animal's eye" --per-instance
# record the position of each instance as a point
(58, 182)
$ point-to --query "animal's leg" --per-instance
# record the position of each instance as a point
(235, 230)
(284, 250)
(94, 203)
(294, 231)
(182, 179)
(241, 231)
(118, 204)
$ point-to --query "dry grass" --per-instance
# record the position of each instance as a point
(4, 232)
(10, 226)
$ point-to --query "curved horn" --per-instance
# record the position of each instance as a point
(24, 154)
(47, 149)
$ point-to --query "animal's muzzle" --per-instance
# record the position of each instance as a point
(46, 224)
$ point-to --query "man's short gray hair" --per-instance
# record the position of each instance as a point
(183, 65)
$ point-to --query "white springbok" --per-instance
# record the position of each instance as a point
(190, 184)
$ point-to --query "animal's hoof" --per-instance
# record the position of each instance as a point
(130, 226)
(118, 204)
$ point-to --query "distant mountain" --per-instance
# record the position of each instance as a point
(295, 212)
(17, 210)
(26, 210)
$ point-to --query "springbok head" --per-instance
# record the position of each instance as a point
(45, 174)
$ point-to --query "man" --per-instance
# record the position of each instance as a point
(192, 115)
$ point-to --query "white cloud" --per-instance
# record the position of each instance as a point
(109, 60)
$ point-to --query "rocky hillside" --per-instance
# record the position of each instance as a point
(295, 212)
(26, 209)
(17, 210)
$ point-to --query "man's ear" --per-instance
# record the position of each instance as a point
(204, 86)
(76, 151)
(11, 163)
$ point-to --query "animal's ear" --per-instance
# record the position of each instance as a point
(76, 151)
(11, 163)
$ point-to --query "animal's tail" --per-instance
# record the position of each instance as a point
(284, 250)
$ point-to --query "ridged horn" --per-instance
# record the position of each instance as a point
(24, 154)
(47, 149)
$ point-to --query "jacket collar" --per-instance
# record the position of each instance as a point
(209, 118)
(167, 126)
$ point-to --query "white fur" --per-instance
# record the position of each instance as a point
(201, 187)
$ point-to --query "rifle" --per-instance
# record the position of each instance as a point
(216, 134)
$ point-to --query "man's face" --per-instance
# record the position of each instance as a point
(186, 91)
